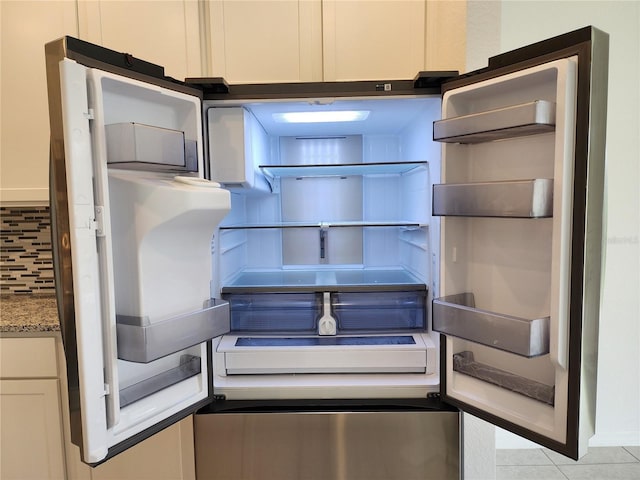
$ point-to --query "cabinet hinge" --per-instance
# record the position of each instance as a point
(89, 114)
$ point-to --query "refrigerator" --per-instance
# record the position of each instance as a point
(328, 273)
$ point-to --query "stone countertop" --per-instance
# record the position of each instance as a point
(28, 314)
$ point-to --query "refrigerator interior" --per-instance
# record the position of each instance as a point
(505, 249)
(327, 218)
(154, 293)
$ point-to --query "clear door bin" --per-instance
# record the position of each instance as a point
(456, 315)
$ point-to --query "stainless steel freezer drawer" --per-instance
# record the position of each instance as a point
(323, 445)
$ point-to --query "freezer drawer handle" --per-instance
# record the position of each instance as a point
(464, 362)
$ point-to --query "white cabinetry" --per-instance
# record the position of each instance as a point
(167, 455)
(34, 425)
(373, 40)
(243, 41)
(166, 33)
(333, 40)
(24, 125)
(265, 41)
(30, 420)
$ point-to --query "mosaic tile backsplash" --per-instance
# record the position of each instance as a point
(25, 251)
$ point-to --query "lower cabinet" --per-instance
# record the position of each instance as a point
(31, 427)
(169, 454)
(31, 430)
(34, 425)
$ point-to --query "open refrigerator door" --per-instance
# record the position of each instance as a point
(134, 219)
(521, 229)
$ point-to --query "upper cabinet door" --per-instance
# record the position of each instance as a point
(166, 33)
(24, 132)
(315, 40)
(520, 203)
(372, 40)
(265, 41)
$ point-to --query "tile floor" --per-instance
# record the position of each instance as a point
(600, 463)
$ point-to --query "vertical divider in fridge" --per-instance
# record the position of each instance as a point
(87, 298)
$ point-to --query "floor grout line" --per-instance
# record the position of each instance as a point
(632, 454)
(561, 472)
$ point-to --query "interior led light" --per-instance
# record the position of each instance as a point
(322, 116)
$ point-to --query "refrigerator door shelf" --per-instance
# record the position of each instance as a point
(145, 147)
(514, 121)
(464, 362)
(516, 199)
(189, 366)
(139, 340)
(456, 315)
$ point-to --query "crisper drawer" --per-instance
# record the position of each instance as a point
(379, 311)
(274, 312)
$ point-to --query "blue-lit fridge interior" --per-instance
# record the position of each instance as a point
(328, 256)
